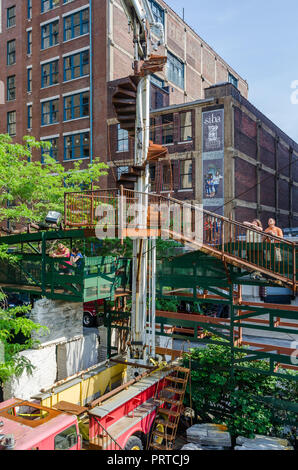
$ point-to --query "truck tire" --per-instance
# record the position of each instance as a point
(88, 320)
(134, 443)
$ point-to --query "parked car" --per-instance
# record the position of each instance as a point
(90, 312)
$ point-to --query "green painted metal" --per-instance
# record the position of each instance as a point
(39, 274)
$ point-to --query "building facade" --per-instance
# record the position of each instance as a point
(59, 55)
(223, 153)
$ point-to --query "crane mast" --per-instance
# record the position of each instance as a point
(142, 340)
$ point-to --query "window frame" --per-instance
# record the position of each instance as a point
(11, 53)
(51, 5)
(182, 174)
(122, 140)
(233, 80)
(73, 146)
(29, 116)
(51, 73)
(50, 36)
(181, 127)
(74, 106)
(75, 25)
(166, 137)
(50, 112)
(9, 18)
(173, 62)
(8, 88)
(14, 123)
(73, 67)
(157, 11)
(29, 79)
(29, 42)
(53, 152)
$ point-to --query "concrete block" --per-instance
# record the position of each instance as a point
(262, 443)
(69, 358)
(191, 446)
(43, 376)
(213, 436)
(64, 320)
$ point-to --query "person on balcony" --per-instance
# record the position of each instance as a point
(272, 229)
(62, 252)
(76, 257)
(254, 252)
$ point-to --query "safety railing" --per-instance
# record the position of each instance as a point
(131, 211)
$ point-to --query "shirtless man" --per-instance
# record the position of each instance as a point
(273, 230)
(277, 232)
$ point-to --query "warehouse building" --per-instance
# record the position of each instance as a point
(59, 55)
(223, 153)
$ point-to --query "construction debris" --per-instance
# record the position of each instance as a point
(262, 443)
(191, 446)
(209, 436)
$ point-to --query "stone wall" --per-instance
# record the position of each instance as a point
(63, 319)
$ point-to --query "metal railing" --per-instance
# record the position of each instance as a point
(186, 223)
(104, 439)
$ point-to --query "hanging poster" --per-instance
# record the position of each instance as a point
(213, 160)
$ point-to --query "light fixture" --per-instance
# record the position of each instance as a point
(53, 217)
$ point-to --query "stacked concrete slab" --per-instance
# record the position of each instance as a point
(209, 437)
(262, 443)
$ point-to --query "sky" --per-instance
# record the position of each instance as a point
(259, 39)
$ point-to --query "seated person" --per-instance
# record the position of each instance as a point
(76, 257)
(62, 252)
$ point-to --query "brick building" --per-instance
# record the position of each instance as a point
(223, 152)
(59, 55)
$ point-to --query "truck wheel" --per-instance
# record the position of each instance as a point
(134, 443)
(88, 320)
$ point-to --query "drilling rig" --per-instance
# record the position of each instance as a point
(148, 35)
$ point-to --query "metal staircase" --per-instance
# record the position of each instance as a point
(216, 236)
(168, 414)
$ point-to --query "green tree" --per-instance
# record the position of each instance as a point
(218, 398)
(29, 189)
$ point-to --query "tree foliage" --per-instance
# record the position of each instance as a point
(217, 397)
(29, 189)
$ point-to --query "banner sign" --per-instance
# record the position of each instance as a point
(213, 160)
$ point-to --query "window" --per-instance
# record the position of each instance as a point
(11, 16)
(186, 174)
(157, 11)
(11, 88)
(49, 74)
(76, 146)
(49, 112)
(11, 123)
(49, 34)
(152, 175)
(47, 5)
(53, 151)
(29, 42)
(76, 65)
(76, 25)
(152, 130)
(11, 52)
(175, 70)
(76, 106)
(29, 9)
(122, 170)
(186, 126)
(233, 80)
(122, 140)
(167, 128)
(66, 439)
(29, 79)
(167, 177)
(29, 116)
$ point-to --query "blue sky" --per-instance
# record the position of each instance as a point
(259, 39)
